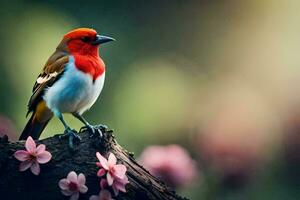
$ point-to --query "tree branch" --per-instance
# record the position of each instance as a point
(25, 185)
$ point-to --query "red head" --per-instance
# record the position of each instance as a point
(84, 41)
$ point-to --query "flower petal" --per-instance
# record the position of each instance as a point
(112, 160)
(98, 164)
(25, 165)
(72, 177)
(119, 171)
(66, 192)
(35, 168)
(116, 191)
(44, 157)
(101, 172)
(104, 194)
(81, 179)
(102, 160)
(119, 186)
(83, 188)
(22, 155)
(124, 181)
(110, 179)
(30, 145)
(103, 183)
(64, 184)
(94, 197)
(40, 149)
(75, 196)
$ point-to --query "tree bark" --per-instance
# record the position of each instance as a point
(26, 186)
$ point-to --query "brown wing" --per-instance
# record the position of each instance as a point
(52, 71)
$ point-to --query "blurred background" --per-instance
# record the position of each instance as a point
(218, 79)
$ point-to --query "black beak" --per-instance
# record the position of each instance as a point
(100, 39)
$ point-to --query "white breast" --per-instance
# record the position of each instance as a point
(75, 91)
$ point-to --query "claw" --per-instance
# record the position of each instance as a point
(103, 127)
(72, 135)
(94, 130)
(83, 129)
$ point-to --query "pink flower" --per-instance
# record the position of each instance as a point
(7, 128)
(73, 185)
(33, 156)
(103, 195)
(233, 160)
(171, 163)
(118, 185)
(114, 171)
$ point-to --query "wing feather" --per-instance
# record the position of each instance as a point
(52, 71)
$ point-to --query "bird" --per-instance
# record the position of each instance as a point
(70, 82)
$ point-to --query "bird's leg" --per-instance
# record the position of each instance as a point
(94, 130)
(68, 133)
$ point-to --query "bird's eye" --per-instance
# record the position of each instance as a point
(85, 39)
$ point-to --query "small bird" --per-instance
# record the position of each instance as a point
(70, 82)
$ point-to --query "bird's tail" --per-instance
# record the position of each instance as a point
(37, 123)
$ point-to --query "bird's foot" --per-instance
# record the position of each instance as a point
(72, 135)
(97, 130)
